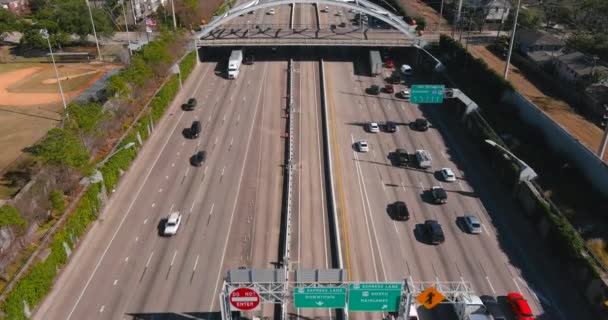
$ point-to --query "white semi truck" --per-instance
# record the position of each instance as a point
(470, 307)
(234, 63)
(375, 62)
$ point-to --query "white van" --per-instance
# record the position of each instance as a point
(406, 70)
(423, 158)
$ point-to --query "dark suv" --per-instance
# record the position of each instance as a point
(421, 124)
(390, 127)
(190, 105)
(439, 195)
(403, 158)
(375, 90)
(198, 158)
(433, 231)
(195, 129)
(399, 211)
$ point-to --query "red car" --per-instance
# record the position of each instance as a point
(389, 64)
(520, 306)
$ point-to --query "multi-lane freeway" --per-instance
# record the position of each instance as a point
(231, 205)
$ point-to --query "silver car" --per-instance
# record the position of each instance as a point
(473, 224)
(362, 146)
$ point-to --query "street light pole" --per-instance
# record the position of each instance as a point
(526, 173)
(124, 14)
(174, 21)
(506, 73)
(45, 34)
(94, 32)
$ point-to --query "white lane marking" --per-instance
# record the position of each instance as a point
(127, 259)
(491, 286)
(173, 259)
(183, 143)
(382, 184)
(211, 211)
(374, 153)
(173, 164)
(178, 153)
(395, 225)
(160, 190)
(209, 119)
(421, 185)
(102, 308)
(231, 141)
(205, 171)
(485, 230)
(171, 209)
(193, 203)
(460, 185)
(149, 259)
(145, 221)
(166, 177)
(198, 143)
(115, 282)
(215, 141)
(238, 116)
(440, 184)
(153, 204)
(187, 170)
(195, 263)
(238, 190)
(136, 239)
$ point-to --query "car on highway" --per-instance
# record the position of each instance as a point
(439, 195)
(472, 224)
(198, 158)
(195, 129)
(433, 231)
(389, 64)
(172, 224)
(404, 94)
(389, 88)
(270, 11)
(326, 9)
(395, 78)
(391, 127)
(399, 211)
(493, 307)
(406, 69)
(189, 105)
(374, 89)
(339, 13)
(447, 175)
(421, 124)
(372, 127)
(402, 157)
(520, 306)
(362, 146)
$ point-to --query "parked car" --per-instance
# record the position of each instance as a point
(189, 105)
(448, 175)
(520, 306)
(439, 195)
(421, 124)
(399, 211)
(198, 158)
(362, 146)
(391, 127)
(433, 231)
(372, 127)
(473, 224)
(389, 88)
(172, 224)
(374, 89)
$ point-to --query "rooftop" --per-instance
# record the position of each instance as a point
(581, 63)
(538, 37)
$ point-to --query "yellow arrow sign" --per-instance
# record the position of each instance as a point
(430, 297)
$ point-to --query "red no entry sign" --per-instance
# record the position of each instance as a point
(244, 299)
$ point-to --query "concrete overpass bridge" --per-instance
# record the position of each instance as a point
(220, 32)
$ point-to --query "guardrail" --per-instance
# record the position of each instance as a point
(307, 42)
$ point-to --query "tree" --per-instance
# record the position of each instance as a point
(85, 117)
(62, 147)
(10, 217)
(8, 22)
(74, 17)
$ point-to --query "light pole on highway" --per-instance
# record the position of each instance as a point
(94, 32)
(173, 12)
(526, 172)
(45, 34)
(506, 74)
(125, 147)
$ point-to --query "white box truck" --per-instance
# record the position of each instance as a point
(470, 307)
(234, 63)
(375, 62)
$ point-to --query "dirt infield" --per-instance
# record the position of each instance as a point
(30, 103)
(558, 110)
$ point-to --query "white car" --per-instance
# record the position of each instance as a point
(473, 224)
(172, 224)
(339, 13)
(373, 127)
(326, 9)
(270, 12)
(362, 146)
(404, 94)
(406, 70)
(448, 175)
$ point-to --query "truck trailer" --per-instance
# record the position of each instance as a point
(470, 307)
(234, 63)
(375, 62)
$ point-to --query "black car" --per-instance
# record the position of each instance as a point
(421, 124)
(390, 127)
(439, 195)
(493, 307)
(433, 231)
(399, 211)
(403, 158)
(198, 158)
(375, 90)
(195, 129)
(190, 105)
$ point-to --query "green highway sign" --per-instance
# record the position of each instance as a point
(319, 297)
(374, 296)
(426, 93)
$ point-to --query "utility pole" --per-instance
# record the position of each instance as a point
(506, 74)
(45, 34)
(124, 14)
(94, 32)
(173, 11)
(458, 12)
(440, 16)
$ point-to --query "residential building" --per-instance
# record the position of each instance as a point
(493, 10)
(538, 46)
(17, 7)
(136, 10)
(576, 67)
(596, 98)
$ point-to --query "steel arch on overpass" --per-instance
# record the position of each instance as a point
(363, 6)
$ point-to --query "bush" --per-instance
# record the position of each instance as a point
(187, 64)
(164, 97)
(57, 201)
(10, 217)
(62, 147)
